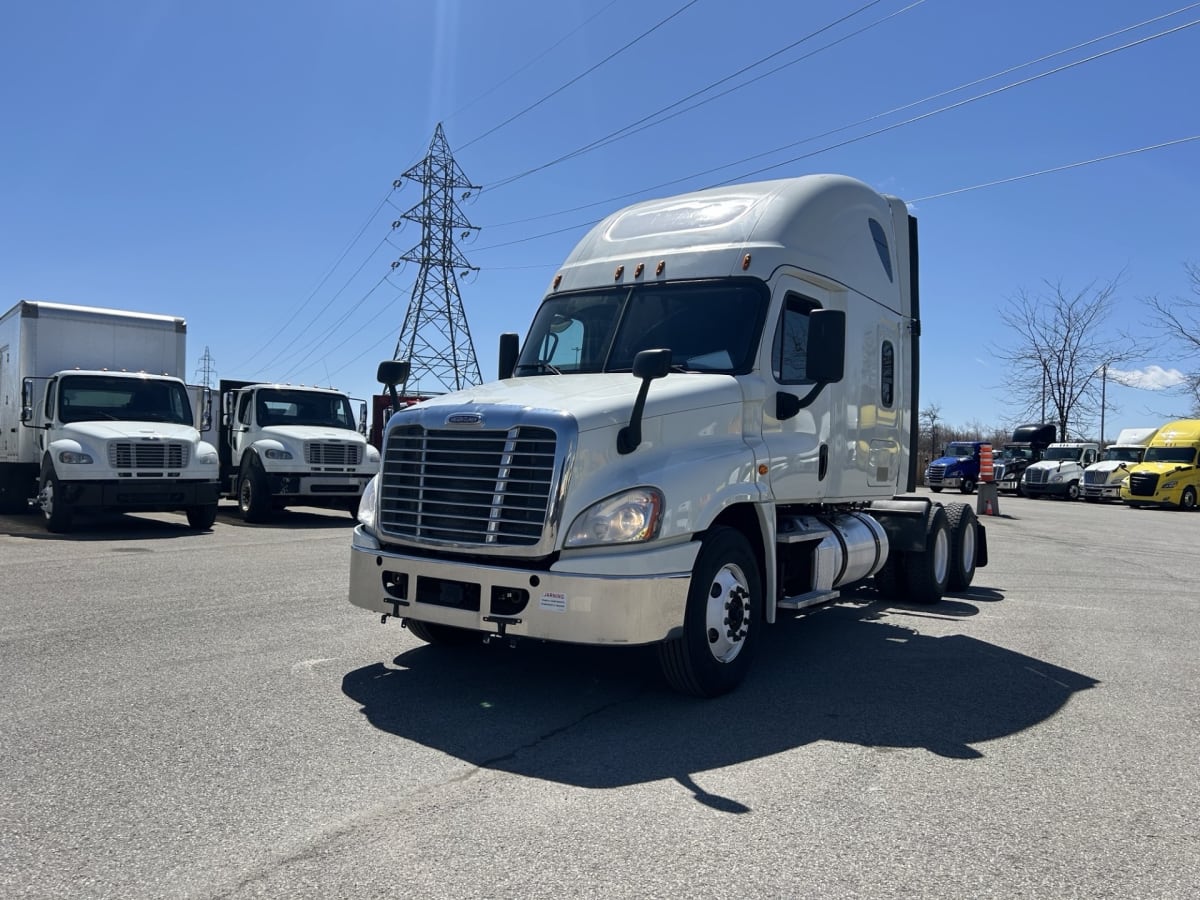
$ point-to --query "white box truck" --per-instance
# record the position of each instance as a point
(95, 415)
(291, 445)
(711, 425)
(1102, 480)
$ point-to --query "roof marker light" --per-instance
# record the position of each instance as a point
(620, 271)
(745, 262)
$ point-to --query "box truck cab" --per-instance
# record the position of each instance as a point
(1102, 480)
(1169, 473)
(708, 428)
(95, 416)
(1060, 470)
(292, 445)
(957, 467)
(1028, 444)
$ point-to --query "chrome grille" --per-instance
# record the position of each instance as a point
(484, 488)
(1037, 476)
(332, 453)
(935, 474)
(1095, 477)
(147, 454)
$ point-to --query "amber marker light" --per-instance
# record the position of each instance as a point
(557, 280)
(762, 469)
(637, 273)
(662, 264)
(620, 271)
(745, 262)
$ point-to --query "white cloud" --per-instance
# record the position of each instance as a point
(1151, 378)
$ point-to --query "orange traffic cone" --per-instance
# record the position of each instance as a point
(987, 510)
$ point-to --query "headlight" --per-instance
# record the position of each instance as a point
(1056, 478)
(73, 458)
(372, 454)
(207, 459)
(1167, 485)
(272, 453)
(626, 518)
(366, 506)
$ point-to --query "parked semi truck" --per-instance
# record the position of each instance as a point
(291, 445)
(1102, 480)
(957, 467)
(1060, 470)
(710, 426)
(95, 416)
(1028, 444)
(1169, 473)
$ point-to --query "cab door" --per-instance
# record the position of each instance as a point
(796, 411)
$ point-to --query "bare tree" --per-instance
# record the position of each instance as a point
(1060, 350)
(1178, 320)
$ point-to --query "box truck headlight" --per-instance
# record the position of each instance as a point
(272, 453)
(73, 457)
(366, 505)
(626, 518)
(372, 454)
(208, 458)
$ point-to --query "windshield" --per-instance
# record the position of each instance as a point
(1009, 453)
(284, 407)
(1185, 455)
(88, 398)
(709, 327)
(1124, 454)
(1063, 453)
(961, 451)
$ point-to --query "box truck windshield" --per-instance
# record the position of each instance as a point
(84, 398)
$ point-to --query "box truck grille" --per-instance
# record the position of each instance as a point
(328, 453)
(486, 488)
(1143, 484)
(147, 454)
(935, 474)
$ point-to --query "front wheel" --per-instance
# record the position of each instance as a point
(1073, 490)
(201, 518)
(927, 572)
(254, 499)
(936, 490)
(967, 486)
(721, 621)
(55, 508)
(1187, 500)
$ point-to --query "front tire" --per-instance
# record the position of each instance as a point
(963, 546)
(722, 619)
(936, 490)
(927, 572)
(254, 499)
(1073, 490)
(1187, 500)
(55, 508)
(201, 518)
(967, 486)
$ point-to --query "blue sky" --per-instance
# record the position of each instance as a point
(232, 163)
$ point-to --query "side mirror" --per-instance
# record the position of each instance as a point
(510, 349)
(825, 362)
(27, 401)
(206, 409)
(227, 409)
(390, 373)
(362, 418)
(647, 365)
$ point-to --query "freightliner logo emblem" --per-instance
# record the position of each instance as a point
(464, 419)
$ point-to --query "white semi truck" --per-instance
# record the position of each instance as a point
(95, 416)
(1102, 480)
(710, 426)
(1060, 470)
(291, 445)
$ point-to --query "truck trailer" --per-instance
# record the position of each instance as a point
(710, 426)
(291, 445)
(95, 416)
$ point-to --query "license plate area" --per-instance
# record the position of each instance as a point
(452, 594)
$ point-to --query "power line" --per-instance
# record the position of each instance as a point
(581, 75)
(1063, 168)
(645, 122)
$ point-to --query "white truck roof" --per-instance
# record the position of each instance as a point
(1133, 437)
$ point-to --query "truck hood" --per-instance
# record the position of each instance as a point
(1159, 468)
(1052, 465)
(596, 401)
(1107, 466)
(108, 431)
(947, 461)
(311, 433)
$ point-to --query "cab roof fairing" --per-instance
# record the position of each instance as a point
(817, 223)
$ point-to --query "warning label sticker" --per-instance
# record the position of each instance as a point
(553, 601)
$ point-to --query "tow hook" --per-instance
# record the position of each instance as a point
(501, 622)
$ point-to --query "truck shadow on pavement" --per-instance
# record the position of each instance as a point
(602, 718)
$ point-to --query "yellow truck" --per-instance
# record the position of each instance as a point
(1168, 474)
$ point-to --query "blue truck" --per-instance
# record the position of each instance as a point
(958, 466)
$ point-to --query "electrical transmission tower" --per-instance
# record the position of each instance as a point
(435, 338)
(206, 371)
